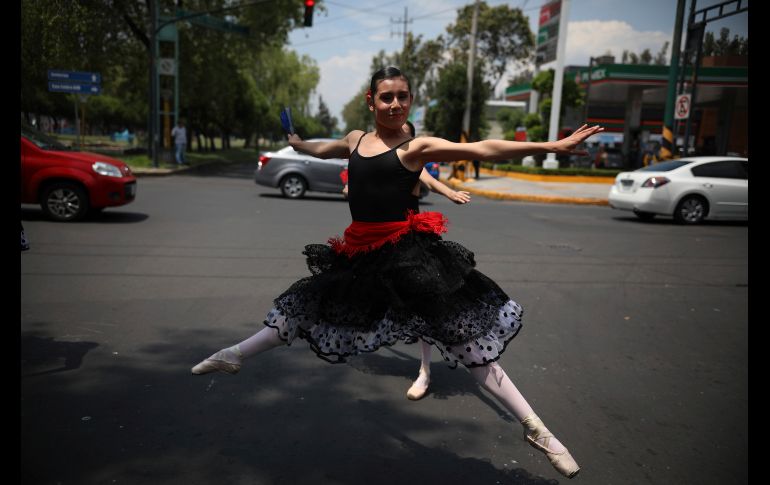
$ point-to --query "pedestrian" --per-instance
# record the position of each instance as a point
(179, 133)
(600, 161)
(476, 165)
(391, 277)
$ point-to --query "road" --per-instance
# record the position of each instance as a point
(633, 351)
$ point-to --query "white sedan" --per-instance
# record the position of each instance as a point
(689, 189)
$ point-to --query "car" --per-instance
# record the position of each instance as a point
(296, 173)
(69, 184)
(691, 189)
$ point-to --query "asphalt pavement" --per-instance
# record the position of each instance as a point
(634, 349)
(498, 185)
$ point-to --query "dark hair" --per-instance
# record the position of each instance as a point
(387, 73)
(411, 128)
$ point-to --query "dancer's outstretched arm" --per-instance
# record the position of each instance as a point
(456, 196)
(333, 149)
(424, 149)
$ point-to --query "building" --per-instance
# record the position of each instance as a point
(629, 100)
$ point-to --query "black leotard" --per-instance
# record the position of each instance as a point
(380, 187)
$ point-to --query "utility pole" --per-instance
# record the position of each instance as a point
(153, 134)
(471, 60)
(405, 21)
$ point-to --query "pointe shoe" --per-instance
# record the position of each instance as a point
(216, 363)
(562, 461)
(415, 393)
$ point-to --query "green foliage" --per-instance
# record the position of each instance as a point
(510, 119)
(325, 119)
(356, 113)
(589, 172)
(230, 84)
(571, 94)
(445, 118)
(738, 46)
(503, 36)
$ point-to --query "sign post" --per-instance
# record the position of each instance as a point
(682, 107)
(81, 84)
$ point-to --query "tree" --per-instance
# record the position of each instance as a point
(326, 120)
(523, 77)
(224, 91)
(503, 37)
(645, 57)
(572, 95)
(738, 46)
(417, 59)
(510, 119)
(356, 114)
(661, 59)
(445, 117)
(68, 35)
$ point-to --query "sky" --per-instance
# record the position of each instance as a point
(345, 37)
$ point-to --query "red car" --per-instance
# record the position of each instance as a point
(69, 184)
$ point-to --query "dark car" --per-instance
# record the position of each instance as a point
(68, 184)
(295, 173)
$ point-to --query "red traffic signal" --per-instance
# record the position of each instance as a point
(309, 12)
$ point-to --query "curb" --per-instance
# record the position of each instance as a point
(527, 198)
(163, 172)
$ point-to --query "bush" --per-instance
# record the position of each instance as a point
(516, 166)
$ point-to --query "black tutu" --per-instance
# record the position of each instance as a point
(418, 287)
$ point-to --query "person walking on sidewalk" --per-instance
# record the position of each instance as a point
(392, 277)
(179, 133)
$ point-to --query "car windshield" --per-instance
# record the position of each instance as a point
(42, 141)
(664, 166)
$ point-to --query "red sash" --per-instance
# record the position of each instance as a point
(361, 237)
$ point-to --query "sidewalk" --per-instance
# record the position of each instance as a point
(513, 186)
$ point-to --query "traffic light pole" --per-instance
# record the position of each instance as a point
(155, 28)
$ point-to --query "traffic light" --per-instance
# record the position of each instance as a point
(309, 12)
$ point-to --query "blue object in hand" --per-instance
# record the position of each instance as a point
(288, 126)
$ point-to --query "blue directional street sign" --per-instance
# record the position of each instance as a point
(76, 88)
(75, 77)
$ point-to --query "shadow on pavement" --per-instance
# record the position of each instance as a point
(107, 216)
(444, 381)
(286, 418)
(39, 353)
(327, 198)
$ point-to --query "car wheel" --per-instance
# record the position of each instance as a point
(645, 216)
(64, 202)
(691, 210)
(293, 186)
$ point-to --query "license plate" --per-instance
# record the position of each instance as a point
(131, 190)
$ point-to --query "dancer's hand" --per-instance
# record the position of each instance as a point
(568, 145)
(459, 196)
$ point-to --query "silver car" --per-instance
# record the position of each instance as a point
(295, 173)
